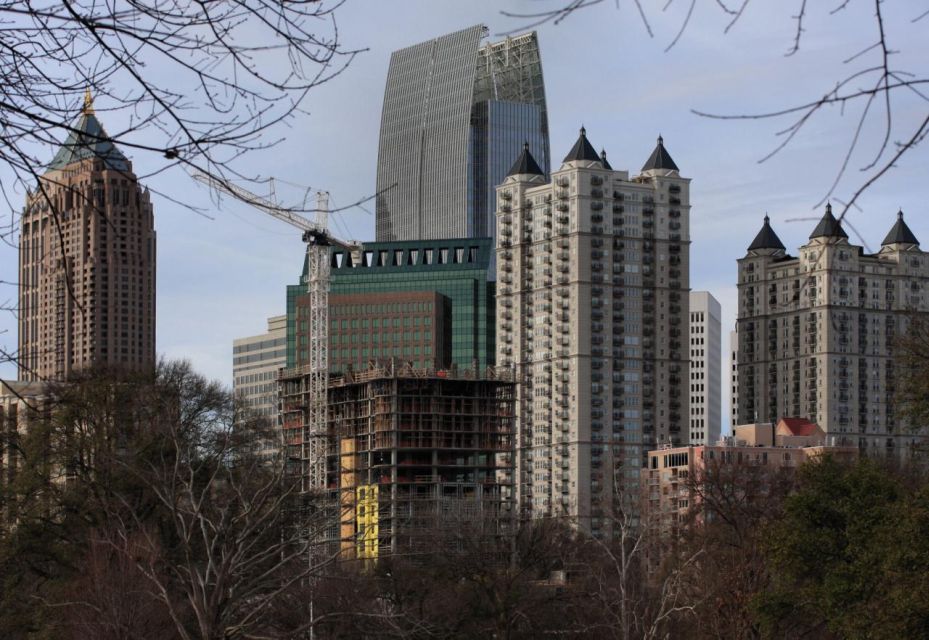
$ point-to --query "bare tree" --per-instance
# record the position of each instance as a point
(891, 101)
(159, 477)
(192, 84)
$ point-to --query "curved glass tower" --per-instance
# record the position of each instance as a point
(456, 114)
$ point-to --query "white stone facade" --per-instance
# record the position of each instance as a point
(592, 312)
(705, 369)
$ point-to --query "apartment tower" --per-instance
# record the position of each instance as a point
(455, 115)
(86, 261)
(816, 331)
(592, 312)
(705, 369)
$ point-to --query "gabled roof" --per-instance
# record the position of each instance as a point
(582, 149)
(87, 140)
(525, 164)
(799, 426)
(660, 158)
(606, 165)
(900, 233)
(828, 227)
(766, 238)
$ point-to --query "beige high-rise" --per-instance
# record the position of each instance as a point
(592, 311)
(86, 262)
(816, 331)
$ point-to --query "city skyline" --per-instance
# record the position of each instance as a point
(211, 266)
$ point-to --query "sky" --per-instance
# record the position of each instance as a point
(220, 277)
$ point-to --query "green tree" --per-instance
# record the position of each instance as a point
(850, 557)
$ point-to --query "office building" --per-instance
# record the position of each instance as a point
(428, 302)
(592, 312)
(816, 331)
(86, 262)
(455, 114)
(705, 369)
(256, 361)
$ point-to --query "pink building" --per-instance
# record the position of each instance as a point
(670, 495)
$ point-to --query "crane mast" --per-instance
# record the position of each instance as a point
(314, 437)
(316, 236)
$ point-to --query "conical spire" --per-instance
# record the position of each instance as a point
(900, 233)
(828, 226)
(87, 140)
(525, 164)
(582, 149)
(88, 103)
(660, 158)
(766, 238)
(606, 165)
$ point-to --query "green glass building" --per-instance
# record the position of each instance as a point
(456, 269)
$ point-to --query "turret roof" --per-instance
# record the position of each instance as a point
(900, 233)
(582, 149)
(660, 158)
(766, 238)
(525, 164)
(828, 226)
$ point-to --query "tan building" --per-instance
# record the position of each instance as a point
(815, 331)
(592, 312)
(256, 361)
(86, 262)
(669, 498)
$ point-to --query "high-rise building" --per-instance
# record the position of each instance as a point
(816, 331)
(733, 379)
(428, 302)
(455, 115)
(86, 261)
(705, 369)
(256, 361)
(592, 311)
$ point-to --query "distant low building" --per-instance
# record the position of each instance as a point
(21, 404)
(255, 363)
(670, 497)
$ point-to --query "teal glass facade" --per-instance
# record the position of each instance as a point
(457, 269)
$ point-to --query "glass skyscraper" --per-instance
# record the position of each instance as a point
(456, 115)
(376, 285)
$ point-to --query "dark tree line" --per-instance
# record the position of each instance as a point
(136, 510)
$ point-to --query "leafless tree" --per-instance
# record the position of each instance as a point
(891, 102)
(161, 477)
(192, 84)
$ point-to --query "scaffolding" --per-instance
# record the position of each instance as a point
(412, 452)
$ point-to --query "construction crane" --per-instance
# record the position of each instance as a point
(317, 239)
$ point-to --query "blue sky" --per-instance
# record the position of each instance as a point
(220, 279)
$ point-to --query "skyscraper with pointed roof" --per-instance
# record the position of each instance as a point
(816, 331)
(456, 112)
(592, 313)
(86, 261)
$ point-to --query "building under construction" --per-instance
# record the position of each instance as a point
(410, 452)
